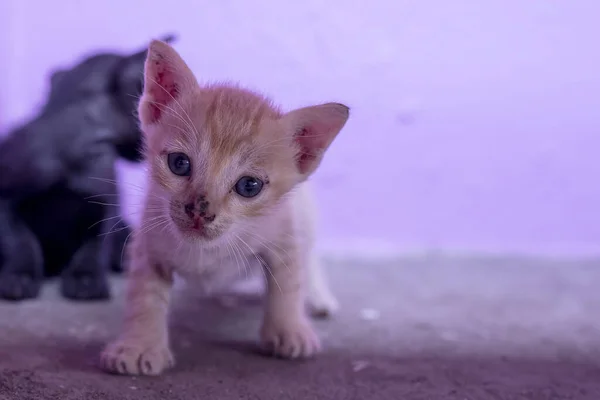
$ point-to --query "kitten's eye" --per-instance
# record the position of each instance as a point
(179, 164)
(248, 186)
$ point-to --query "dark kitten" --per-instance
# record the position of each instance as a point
(52, 167)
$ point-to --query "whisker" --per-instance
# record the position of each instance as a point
(111, 231)
(230, 256)
(191, 122)
(112, 181)
(176, 102)
(101, 195)
(174, 113)
(262, 262)
(240, 252)
(275, 253)
(152, 225)
(235, 254)
(180, 129)
(103, 220)
(122, 182)
(105, 204)
(125, 245)
(264, 241)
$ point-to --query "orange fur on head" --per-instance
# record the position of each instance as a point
(227, 133)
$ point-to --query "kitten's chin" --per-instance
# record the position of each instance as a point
(203, 237)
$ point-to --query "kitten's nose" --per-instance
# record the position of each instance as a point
(189, 209)
(199, 211)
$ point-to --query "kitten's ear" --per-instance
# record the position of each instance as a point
(166, 78)
(313, 129)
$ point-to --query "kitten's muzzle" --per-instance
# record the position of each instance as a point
(199, 213)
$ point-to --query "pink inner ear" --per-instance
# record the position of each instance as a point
(312, 143)
(162, 87)
(314, 129)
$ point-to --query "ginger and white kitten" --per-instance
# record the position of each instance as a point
(226, 185)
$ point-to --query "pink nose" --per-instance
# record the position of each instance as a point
(199, 214)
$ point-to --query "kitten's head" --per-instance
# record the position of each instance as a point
(221, 157)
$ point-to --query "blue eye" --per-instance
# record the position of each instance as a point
(248, 186)
(179, 164)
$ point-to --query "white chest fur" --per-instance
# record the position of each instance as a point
(213, 269)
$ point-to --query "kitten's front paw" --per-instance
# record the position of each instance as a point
(85, 286)
(19, 286)
(126, 358)
(290, 339)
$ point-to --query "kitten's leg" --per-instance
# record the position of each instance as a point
(286, 330)
(21, 257)
(143, 346)
(321, 301)
(86, 276)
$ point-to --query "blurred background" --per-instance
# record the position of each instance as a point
(475, 126)
(474, 134)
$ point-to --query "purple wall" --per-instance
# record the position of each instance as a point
(475, 124)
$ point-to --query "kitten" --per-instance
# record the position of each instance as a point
(57, 169)
(226, 186)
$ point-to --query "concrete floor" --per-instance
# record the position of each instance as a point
(421, 328)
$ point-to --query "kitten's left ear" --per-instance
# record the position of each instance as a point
(166, 79)
(313, 129)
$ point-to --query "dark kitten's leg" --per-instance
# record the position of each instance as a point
(86, 276)
(21, 258)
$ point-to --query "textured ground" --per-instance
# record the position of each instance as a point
(429, 328)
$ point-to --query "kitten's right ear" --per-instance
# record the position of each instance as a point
(166, 78)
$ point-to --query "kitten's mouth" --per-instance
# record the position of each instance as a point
(196, 230)
(197, 226)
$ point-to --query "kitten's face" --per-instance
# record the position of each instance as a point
(222, 164)
(221, 157)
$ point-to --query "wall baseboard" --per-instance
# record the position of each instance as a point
(385, 251)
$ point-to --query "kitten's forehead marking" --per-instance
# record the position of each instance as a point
(231, 128)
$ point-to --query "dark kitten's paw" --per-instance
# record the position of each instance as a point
(85, 287)
(16, 286)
